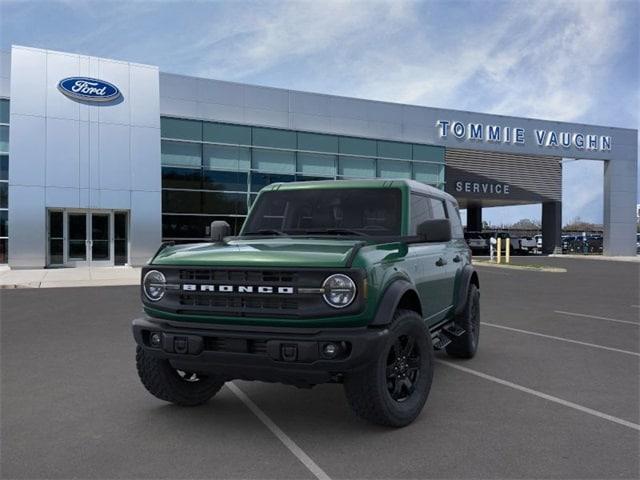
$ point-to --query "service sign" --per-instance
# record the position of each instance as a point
(88, 89)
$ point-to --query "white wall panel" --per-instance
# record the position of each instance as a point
(179, 107)
(94, 155)
(115, 156)
(28, 81)
(265, 98)
(270, 118)
(414, 115)
(341, 107)
(144, 97)
(115, 199)
(384, 112)
(83, 198)
(5, 64)
(310, 103)
(84, 156)
(63, 153)
(94, 198)
(385, 130)
(28, 227)
(5, 87)
(62, 197)
(223, 113)
(179, 87)
(84, 71)
(118, 74)
(351, 126)
(317, 123)
(59, 66)
(27, 142)
(145, 155)
(223, 93)
(5, 73)
(146, 225)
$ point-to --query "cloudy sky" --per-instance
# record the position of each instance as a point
(561, 60)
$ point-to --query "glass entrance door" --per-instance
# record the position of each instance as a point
(100, 241)
(87, 238)
(77, 240)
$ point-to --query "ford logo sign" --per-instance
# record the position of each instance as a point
(89, 89)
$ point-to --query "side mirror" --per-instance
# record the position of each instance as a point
(435, 230)
(219, 230)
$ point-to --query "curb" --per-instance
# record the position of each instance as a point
(522, 267)
(602, 258)
(71, 284)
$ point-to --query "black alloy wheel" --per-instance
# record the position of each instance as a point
(403, 368)
(392, 389)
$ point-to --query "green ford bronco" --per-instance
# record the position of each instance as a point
(350, 281)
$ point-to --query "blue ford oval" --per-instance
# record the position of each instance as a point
(89, 89)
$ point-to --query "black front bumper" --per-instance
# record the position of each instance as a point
(293, 356)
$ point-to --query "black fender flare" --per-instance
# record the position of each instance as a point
(467, 277)
(390, 300)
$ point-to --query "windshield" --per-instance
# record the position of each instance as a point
(359, 212)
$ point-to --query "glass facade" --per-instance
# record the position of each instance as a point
(212, 171)
(4, 180)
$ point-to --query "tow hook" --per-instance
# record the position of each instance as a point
(180, 344)
(289, 352)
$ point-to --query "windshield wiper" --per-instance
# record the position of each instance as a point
(338, 231)
(267, 231)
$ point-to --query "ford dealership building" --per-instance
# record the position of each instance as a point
(101, 160)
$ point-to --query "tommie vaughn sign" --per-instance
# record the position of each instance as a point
(478, 132)
(88, 89)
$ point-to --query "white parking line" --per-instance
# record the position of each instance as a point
(596, 317)
(283, 437)
(562, 339)
(536, 393)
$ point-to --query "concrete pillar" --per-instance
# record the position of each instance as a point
(620, 198)
(474, 218)
(552, 227)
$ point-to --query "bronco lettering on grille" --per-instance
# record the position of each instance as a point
(264, 289)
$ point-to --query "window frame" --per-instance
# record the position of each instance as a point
(428, 197)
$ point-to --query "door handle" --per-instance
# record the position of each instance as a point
(441, 262)
(457, 258)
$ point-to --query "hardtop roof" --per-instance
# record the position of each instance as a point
(411, 185)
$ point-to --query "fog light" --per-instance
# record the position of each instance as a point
(330, 350)
(155, 339)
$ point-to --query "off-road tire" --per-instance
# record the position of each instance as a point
(164, 382)
(466, 345)
(368, 390)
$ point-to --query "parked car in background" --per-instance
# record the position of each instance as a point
(528, 245)
(582, 244)
(477, 242)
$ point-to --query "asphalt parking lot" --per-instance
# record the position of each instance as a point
(552, 393)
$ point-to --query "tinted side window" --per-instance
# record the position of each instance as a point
(456, 224)
(420, 211)
(437, 209)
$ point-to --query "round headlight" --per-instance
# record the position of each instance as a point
(339, 290)
(153, 285)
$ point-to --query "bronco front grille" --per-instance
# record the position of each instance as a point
(239, 304)
(236, 305)
(225, 292)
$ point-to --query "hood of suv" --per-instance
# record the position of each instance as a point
(267, 252)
